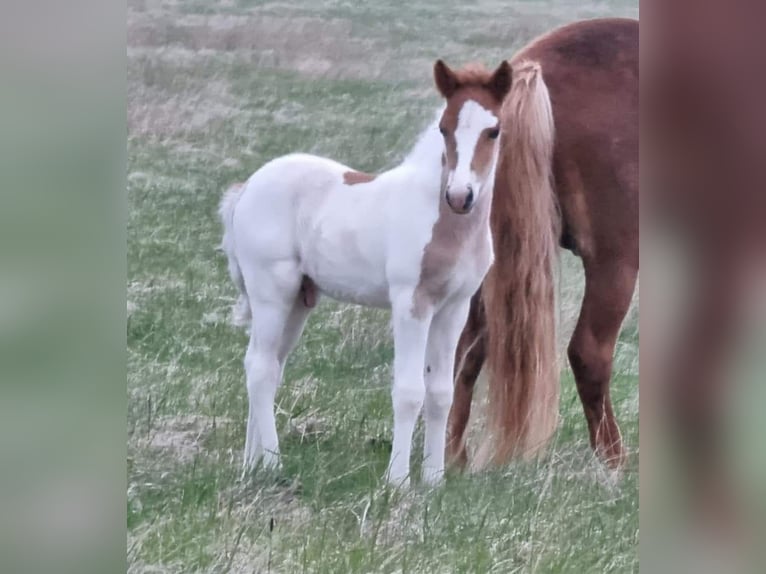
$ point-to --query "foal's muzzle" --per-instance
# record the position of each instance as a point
(462, 201)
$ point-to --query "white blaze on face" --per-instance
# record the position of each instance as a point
(472, 122)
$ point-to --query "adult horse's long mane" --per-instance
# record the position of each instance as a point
(520, 298)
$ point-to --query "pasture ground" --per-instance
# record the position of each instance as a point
(215, 89)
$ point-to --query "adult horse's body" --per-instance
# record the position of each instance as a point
(415, 239)
(590, 70)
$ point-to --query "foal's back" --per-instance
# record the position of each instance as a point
(323, 218)
(291, 181)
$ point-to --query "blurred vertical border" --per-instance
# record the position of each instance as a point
(62, 289)
(62, 286)
(703, 259)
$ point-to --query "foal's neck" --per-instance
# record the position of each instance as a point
(424, 160)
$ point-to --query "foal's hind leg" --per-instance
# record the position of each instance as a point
(469, 359)
(293, 328)
(608, 291)
(273, 298)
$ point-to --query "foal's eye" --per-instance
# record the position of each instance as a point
(493, 133)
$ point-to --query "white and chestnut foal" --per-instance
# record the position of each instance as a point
(414, 239)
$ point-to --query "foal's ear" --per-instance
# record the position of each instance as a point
(500, 81)
(446, 80)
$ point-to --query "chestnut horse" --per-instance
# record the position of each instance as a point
(567, 174)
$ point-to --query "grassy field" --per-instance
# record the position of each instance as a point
(215, 89)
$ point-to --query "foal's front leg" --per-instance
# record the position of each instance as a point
(443, 337)
(410, 335)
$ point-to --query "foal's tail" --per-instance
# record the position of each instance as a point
(241, 309)
(519, 291)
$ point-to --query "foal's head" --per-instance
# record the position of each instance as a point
(470, 125)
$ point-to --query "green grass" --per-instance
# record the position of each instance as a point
(215, 90)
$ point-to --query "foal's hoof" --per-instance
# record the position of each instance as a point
(433, 476)
(262, 466)
(402, 483)
(248, 470)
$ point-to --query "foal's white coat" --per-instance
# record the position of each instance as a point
(362, 243)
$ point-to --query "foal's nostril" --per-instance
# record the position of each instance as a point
(469, 198)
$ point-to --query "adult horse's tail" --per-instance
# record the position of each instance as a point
(519, 291)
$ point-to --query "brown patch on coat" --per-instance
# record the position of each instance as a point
(482, 154)
(356, 177)
(451, 235)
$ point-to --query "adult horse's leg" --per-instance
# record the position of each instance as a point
(469, 359)
(443, 336)
(410, 337)
(272, 303)
(609, 287)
